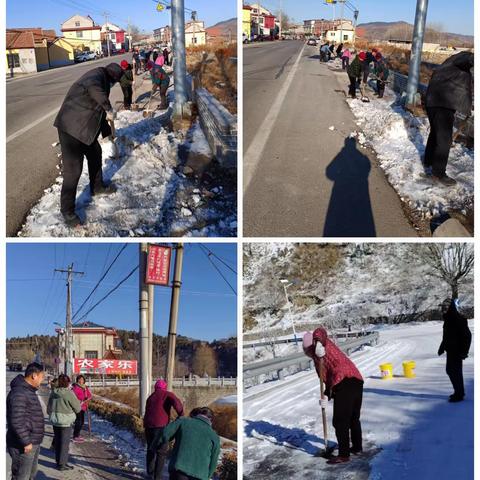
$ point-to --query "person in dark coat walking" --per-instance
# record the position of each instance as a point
(84, 114)
(157, 417)
(450, 90)
(166, 56)
(25, 425)
(354, 71)
(456, 341)
(126, 83)
(343, 383)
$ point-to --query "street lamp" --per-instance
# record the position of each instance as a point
(287, 284)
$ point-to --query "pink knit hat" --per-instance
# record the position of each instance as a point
(307, 341)
(160, 385)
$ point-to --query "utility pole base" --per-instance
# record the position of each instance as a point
(182, 117)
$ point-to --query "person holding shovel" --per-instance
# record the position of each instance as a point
(343, 384)
(381, 74)
(160, 81)
(82, 392)
(84, 115)
(354, 71)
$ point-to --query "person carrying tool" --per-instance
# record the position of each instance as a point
(381, 73)
(126, 83)
(450, 90)
(160, 81)
(82, 392)
(456, 341)
(83, 116)
(343, 383)
(354, 71)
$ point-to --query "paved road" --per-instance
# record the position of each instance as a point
(31, 105)
(300, 178)
(92, 459)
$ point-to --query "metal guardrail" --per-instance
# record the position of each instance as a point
(177, 382)
(277, 365)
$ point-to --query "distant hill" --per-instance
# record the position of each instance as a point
(223, 28)
(403, 31)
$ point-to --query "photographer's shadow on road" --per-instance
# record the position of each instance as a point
(349, 211)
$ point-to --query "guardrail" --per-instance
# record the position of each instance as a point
(300, 361)
(177, 382)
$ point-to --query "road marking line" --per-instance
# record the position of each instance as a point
(252, 156)
(28, 127)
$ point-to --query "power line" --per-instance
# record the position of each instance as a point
(107, 295)
(218, 258)
(100, 280)
(217, 269)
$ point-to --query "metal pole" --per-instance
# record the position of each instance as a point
(416, 54)
(172, 329)
(341, 21)
(280, 27)
(108, 33)
(180, 64)
(151, 293)
(143, 327)
(291, 316)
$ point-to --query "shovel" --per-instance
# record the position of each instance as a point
(134, 105)
(364, 97)
(114, 136)
(327, 453)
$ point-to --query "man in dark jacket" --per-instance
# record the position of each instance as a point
(369, 58)
(450, 90)
(25, 426)
(84, 114)
(354, 71)
(157, 417)
(456, 342)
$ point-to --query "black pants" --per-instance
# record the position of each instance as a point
(352, 89)
(24, 465)
(345, 62)
(440, 139)
(156, 453)
(455, 373)
(63, 436)
(127, 96)
(137, 66)
(380, 88)
(73, 152)
(347, 403)
(78, 425)
(366, 71)
(177, 475)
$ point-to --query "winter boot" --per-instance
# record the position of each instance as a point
(355, 451)
(445, 180)
(455, 398)
(338, 460)
(72, 220)
(103, 189)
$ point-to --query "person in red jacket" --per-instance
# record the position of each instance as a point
(157, 417)
(343, 383)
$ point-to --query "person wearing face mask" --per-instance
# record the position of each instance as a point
(450, 90)
(343, 384)
(84, 115)
(456, 342)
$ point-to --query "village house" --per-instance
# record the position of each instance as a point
(83, 33)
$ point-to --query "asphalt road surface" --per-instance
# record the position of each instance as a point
(31, 105)
(300, 178)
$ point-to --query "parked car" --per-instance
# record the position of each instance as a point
(312, 41)
(85, 56)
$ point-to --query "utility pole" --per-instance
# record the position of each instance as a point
(129, 36)
(280, 24)
(105, 14)
(180, 64)
(68, 320)
(342, 11)
(151, 293)
(172, 328)
(416, 54)
(145, 380)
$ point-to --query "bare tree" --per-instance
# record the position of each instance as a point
(452, 262)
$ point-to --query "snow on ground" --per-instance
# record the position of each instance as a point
(420, 434)
(399, 140)
(228, 400)
(154, 197)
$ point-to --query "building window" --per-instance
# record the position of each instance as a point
(91, 354)
(13, 60)
(345, 37)
(79, 34)
(77, 24)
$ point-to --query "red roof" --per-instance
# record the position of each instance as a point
(19, 40)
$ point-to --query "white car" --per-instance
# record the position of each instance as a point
(85, 56)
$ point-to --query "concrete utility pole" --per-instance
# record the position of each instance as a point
(108, 32)
(416, 54)
(280, 21)
(180, 64)
(342, 11)
(151, 293)
(286, 284)
(68, 321)
(145, 379)
(172, 328)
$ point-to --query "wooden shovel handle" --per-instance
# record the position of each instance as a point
(324, 413)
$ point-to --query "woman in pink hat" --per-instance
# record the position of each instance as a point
(157, 416)
(343, 383)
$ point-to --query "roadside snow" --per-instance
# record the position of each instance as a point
(399, 139)
(228, 400)
(154, 197)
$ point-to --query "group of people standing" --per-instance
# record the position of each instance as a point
(194, 455)
(141, 57)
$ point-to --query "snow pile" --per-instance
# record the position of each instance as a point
(399, 139)
(154, 196)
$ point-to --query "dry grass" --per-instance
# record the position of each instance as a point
(228, 468)
(213, 69)
(225, 420)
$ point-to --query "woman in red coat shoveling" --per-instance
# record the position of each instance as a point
(343, 383)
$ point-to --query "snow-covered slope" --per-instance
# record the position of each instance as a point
(420, 434)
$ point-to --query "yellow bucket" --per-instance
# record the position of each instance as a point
(386, 371)
(408, 369)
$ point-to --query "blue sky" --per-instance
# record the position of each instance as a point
(36, 295)
(456, 16)
(50, 14)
